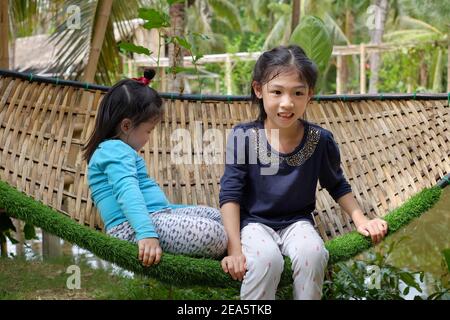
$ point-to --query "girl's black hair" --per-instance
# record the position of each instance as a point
(280, 59)
(130, 99)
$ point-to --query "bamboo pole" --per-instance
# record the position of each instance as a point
(4, 32)
(228, 74)
(362, 68)
(104, 11)
(338, 74)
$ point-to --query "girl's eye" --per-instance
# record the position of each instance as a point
(298, 93)
(276, 92)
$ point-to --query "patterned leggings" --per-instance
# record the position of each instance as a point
(195, 231)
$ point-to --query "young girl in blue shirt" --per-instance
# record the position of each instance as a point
(267, 195)
(131, 204)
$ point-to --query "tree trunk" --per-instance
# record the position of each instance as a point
(51, 246)
(3, 244)
(4, 31)
(102, 17)
(376, 36)
(3, 249)
(177, 15)
(20, 237)
(296, 12)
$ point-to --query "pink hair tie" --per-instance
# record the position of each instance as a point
(148, 76)
(142, 80)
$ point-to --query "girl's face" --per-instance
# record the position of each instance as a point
(136, 136)
(285, 98)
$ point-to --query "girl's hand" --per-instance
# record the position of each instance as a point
(375, 228)
(235, 265)
(149, 251)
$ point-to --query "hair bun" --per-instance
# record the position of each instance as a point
(149, 74)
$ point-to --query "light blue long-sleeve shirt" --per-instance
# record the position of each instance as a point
(122, 190)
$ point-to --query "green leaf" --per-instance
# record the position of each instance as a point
(183, 42)
(312, 35)
(408, 279)
(355, 281)
(197, 57)
(29, 232)
(422, 275)
(446, 253)
(155, 19)
(126, 46)
(406, 291)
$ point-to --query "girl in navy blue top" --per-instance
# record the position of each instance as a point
(271, 173)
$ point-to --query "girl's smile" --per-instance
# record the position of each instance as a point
(285, 116)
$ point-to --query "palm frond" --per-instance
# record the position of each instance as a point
(73, 45)
(410, 35)
(198, 22)
(229, 11)
(259, 7)
(275, 36)
(26, 16)
(418, 24)
(339, 35)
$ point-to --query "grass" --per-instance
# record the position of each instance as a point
(46, 280)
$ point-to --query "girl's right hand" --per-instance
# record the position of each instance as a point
(149, 251)
(235, 265)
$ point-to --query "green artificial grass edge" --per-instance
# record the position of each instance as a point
(347, 246)
(178, 269)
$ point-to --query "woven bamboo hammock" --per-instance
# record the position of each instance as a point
(392, 148)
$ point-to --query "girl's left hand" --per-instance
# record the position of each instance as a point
(375, 228)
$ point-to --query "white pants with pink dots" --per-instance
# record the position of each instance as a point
(264, 248)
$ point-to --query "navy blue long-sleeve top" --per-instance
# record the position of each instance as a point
(279, 189)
